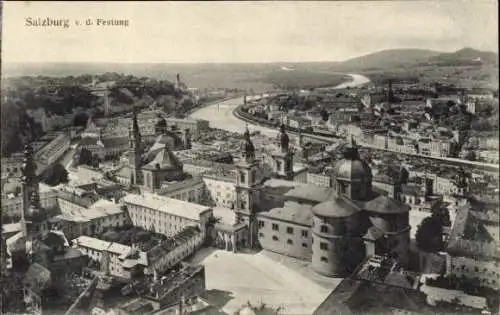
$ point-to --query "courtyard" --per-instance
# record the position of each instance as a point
(233, 279)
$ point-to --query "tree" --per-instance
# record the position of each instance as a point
(429, 234)
(57, 175)
(80, 119)
(85, 157)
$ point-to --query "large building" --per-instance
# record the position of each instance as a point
(338, 227)
(165, 215)
(150, 170)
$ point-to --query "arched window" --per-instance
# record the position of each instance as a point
(289, 242)
(304, 245)
(275, 238)
(324, 259)
(324, 229)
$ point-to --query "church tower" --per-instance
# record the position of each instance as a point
(135, 151)
(283, 157)
(247, 188)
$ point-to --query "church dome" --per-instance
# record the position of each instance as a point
(352, 170)
(352, 167)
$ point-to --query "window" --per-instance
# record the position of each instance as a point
(275, 227)
(289, 242)
(323, 246)
(304, 245)
(324, 259)
(261, 224)
(304, 233)
(275, 238)
(324, 229)
(278, 165)
(289, 230)
(261, 234)
(242, 177)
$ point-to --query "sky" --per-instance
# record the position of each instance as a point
(185, 32)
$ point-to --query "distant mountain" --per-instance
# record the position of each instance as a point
(395, 58)
(387, 59)
(465, 56)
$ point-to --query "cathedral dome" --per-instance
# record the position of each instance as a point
(352, 170)
(352, 167)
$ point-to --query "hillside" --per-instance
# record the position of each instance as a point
(465, 56)
(387, 59)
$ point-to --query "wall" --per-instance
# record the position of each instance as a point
(162, 222)
(221, 192)
(300, 246)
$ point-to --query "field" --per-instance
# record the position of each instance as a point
(257, 77)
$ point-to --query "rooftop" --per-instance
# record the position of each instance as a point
(101, 208)
(309, 192)
(292, 212)
(171, 206)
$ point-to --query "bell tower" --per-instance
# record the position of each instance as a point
(135, 151)
(248, 188)
(283, 157)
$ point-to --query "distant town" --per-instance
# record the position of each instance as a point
(133, 195)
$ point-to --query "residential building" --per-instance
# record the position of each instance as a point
(54, 150)
(172, 251)
(165, 215)
(114, 259)
(77, 220)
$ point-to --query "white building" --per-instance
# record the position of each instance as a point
(165, 215)
(117, 259)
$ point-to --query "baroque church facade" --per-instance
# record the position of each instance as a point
(334, 228)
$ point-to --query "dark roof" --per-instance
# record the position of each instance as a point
(309, 192)
(363, 297)
(336, 207)
(373, 234)
(115, 142)
(88, 141)
(384, 204)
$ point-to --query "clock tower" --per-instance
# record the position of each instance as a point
(247, 188)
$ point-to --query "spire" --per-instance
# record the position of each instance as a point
(247, 148)
(284, 140)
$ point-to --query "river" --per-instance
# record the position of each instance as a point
(221, 116)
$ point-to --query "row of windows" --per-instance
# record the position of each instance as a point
(289, 229)
(289, 241)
